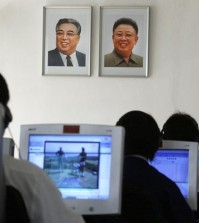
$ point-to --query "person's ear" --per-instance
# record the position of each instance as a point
(112, 37)
(6, 115)
(136, 39)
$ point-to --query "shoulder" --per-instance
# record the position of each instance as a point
(81, 57)
(166, 183)
(137, 56)
(137, 59)
(19, 171)
(109, 55)
(28, 178)
(39, 192)
(78, 53)
(53, 52)
(110, 59)
(147, 172)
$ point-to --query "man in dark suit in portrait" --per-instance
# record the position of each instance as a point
(67, 37)
(125, 37)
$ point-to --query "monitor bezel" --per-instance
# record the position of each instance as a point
(87, 207)
(193, 154)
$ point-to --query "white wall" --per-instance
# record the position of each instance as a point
(173, 82)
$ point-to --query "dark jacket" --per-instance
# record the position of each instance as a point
(139, 176)
(54, 58)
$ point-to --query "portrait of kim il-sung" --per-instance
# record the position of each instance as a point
(124, 41)
(66, 43)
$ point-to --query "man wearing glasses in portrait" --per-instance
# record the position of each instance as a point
(125, 37)
(67, 37)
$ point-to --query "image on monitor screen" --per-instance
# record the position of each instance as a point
(72, 164)
(79, 165)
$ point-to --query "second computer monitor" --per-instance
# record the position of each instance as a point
(178, 161)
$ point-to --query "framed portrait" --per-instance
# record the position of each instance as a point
(124, 41)
(66, 40)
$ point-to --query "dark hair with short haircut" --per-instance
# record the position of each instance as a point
(142, 134)
(126, 21)
(69, 20)
(181, 127)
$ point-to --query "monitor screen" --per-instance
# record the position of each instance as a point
(84, 162)
(178, 161)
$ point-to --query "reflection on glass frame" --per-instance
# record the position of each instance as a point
(66, 40)
(124, 41)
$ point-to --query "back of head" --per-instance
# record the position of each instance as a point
(181, 127)
(4, 98)
(4, 92)
(142, 134)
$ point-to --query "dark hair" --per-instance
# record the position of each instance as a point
(180, 126)
(126, 21)
(142, 134)
(4, 92)
(4, 98)
(69, 20)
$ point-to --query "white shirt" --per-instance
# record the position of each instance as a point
(73, 59)
(42, 199)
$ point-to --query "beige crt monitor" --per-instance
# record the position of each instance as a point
(95, 187)
(178, 161)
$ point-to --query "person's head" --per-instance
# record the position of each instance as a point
(67, 35)
(181, 127)
(125, 36)
(4, 99)
(142, 134)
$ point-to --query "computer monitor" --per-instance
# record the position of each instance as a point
(89, 183)
(178, 161)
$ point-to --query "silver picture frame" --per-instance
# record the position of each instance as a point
(51, 16)
(108, 16)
